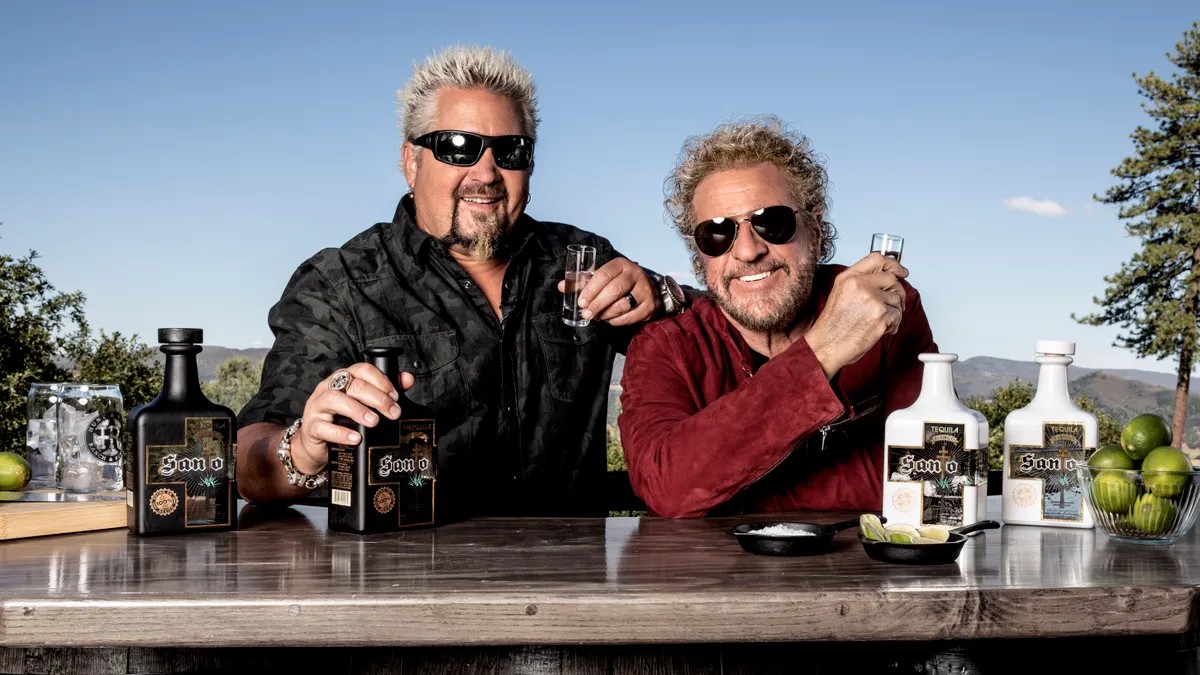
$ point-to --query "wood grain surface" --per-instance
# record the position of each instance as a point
(36, 519)
(284, 580)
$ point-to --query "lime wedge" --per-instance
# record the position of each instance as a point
(901, 538)
(901, 528)
(937, 533)
(871, 527)
(926, 540)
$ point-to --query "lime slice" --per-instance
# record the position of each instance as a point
(901, 538)
(926, 540)
(871, 527)
(902, 529)
(937, 533)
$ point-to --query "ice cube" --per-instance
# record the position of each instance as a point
(67, 416)
(79, 476)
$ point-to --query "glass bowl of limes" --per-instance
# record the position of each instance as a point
(1140, 491)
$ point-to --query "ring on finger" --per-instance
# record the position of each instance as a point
(633, 303)
(340, 381)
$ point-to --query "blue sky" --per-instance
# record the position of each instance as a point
(177, 161)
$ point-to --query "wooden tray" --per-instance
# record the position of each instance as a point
(36, 519)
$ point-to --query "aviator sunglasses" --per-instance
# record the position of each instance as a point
(772, 224)
(463, 148)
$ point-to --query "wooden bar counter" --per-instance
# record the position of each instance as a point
(617, 595)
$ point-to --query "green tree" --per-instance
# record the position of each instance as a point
(1108, 426)
(237, 381)
(44, 337)
(36, 322)
(1015, 394)
(1018, 394)
(115, 359)
(1155, 296)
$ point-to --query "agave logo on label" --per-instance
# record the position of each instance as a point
(104, 437)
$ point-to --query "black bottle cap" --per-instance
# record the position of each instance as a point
(184, 336)
(371, 352)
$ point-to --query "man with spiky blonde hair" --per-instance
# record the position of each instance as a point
(771, 394)
(469, 287)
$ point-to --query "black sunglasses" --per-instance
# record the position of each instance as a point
(463, 148)
(773, 224)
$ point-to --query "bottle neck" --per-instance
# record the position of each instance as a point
(937, 383)
(1052, 380)
(181, 379)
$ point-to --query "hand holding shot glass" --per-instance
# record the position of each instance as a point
(581, 265)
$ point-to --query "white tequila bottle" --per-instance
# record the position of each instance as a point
(1043, 443)
(981, 483)
(932, 453)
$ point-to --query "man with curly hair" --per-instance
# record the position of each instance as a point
(771, 393)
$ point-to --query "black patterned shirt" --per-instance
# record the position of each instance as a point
(520, 401)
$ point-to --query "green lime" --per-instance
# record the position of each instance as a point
(14, 471)
(1166, 459)
(1143, 434)
(1111, 457)
(901, 538)
(1113, 491)
(1152, 515)
(871, 527)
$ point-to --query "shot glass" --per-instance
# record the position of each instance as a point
(889, 245)
(581, 265)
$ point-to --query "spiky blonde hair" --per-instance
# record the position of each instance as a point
(465, 67)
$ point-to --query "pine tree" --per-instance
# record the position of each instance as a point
(1155, 297)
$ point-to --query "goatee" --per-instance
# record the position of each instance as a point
(490, 240)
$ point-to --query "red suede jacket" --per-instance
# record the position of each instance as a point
(705, 434)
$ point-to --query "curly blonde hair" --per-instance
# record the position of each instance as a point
(735, 145)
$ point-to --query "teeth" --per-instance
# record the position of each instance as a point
(754, 277)
(478, 200)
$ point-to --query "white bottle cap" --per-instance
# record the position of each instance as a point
(937, 358)
(1055, 348)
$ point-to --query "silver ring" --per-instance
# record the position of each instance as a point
(340, 381)
(632, 301)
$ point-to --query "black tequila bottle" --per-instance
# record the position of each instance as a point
(181, 474)
(388, 481)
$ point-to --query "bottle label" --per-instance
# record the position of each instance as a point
(403, 477)
(943, 465)
(341, 472)
(189, 484)
(104, 437)
(1053, 463)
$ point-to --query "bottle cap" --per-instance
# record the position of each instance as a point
(1055, 348)
(937, 358)
(185, 336)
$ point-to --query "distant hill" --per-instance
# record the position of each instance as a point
(979, 375)
(212, 356)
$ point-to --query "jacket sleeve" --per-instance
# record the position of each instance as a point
(312, 339)
(684, 459)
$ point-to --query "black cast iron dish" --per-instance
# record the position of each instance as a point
(765, 544)
(924, 554)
